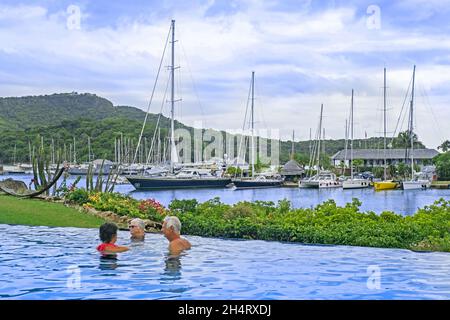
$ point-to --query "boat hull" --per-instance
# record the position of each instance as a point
(415, 185)
(384, 185)
(255, 184)
(320, 184)
(355, 184)
(148, 183)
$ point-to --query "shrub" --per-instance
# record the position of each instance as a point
(78, 196)
(152, 209)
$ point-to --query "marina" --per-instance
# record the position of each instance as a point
(220, 150)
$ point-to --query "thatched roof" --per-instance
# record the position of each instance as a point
(292, 168)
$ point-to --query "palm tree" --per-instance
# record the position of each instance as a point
(445, 146)
(403, 140)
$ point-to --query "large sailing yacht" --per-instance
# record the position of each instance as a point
(385, 184)
(323, 179)
(260, 181)
(185, 178)
(354, 183)
(415, 182)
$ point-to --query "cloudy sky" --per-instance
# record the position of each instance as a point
(304, 53)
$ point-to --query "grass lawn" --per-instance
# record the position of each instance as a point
(35, 212)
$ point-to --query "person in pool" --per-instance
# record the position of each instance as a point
(108, 235)
(137, 229)
(171, 229)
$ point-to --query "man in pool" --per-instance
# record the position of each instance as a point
(108, 235)
(137, 229)
(171, 229)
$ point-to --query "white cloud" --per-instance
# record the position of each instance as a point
(322, 54)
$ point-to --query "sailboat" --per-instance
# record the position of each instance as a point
(385, 184)
(415, 182)
(323, 179)
(186, 178)
(260, 181)
(354, 183)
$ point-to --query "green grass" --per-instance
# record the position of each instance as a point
(36, 212)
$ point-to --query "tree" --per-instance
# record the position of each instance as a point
(403, 169)
(403, 141)
(442, 162)
(357, 164)
(445, 146)
(301, 158)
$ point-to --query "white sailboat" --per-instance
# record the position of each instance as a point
(415, 182)
(260, 181)
(354, 183)
(323, 179)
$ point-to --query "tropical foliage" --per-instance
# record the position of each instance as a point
(442, 163)
(327, 223)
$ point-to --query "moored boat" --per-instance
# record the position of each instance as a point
(385, 185)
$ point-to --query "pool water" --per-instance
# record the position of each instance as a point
(62, 263)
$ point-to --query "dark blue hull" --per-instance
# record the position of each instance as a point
(253, 184)
(148, 183)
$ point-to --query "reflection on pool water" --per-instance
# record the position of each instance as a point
(44, 263)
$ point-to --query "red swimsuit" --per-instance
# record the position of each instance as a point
(104, 246)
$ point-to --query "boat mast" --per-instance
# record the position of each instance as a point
(351, 142)
(253, 124)
(384, 120)
(411, 128)
(293, 150)
(29, 150)
(89, 149)
(320, 138)
(173, 152)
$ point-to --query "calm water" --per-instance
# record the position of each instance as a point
(36, 263)
(399, 201)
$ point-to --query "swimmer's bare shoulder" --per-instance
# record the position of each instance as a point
(179, 245)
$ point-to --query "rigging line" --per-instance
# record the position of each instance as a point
(192, 78)
(428, 105)
(243, 127)
(401, 111)
(153, 92)
(157, 122)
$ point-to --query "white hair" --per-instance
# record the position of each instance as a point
(138, 222)
(173, 222)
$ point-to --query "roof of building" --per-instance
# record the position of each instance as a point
(378, 154)
(291, 168)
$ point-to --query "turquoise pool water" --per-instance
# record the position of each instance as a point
(62, 263)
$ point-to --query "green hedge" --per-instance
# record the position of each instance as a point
(327, 223)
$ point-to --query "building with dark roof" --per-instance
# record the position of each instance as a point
(292, 171)
(375, 157)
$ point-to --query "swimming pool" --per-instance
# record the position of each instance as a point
(61, 263)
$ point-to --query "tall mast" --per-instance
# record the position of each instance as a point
(173, 151)
(320, 138)
(74, 150)
(310, 143)
(345, 145)
(89, 149)
(29, 150)
(351, 136)
(293, 150)
(411, 128)
(384, 118)
(253, 124)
